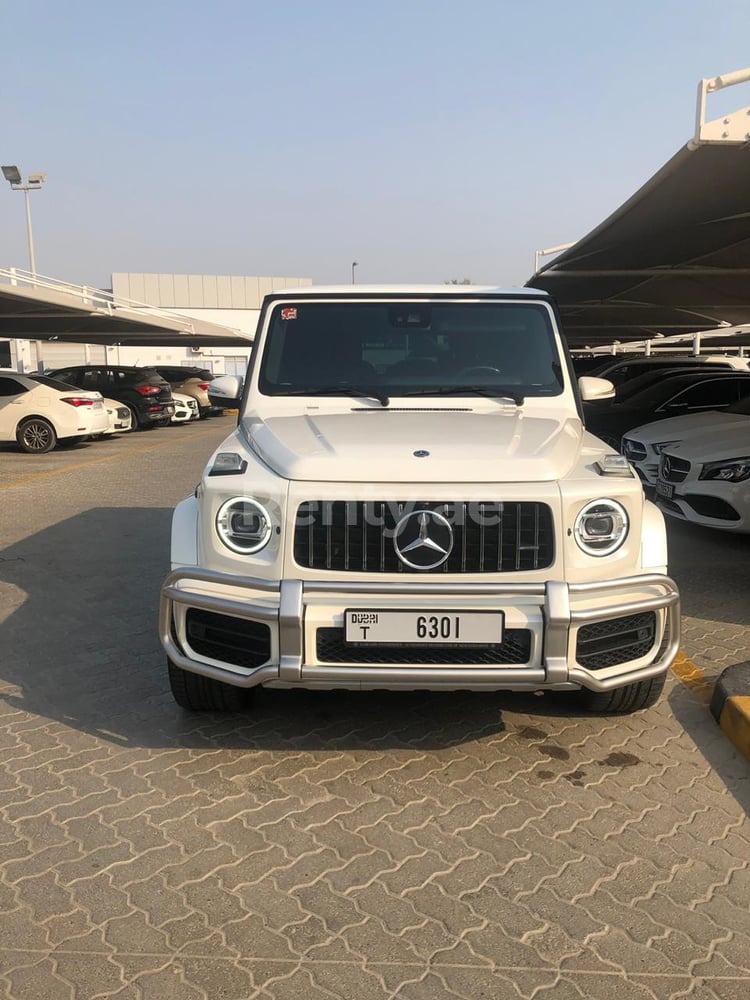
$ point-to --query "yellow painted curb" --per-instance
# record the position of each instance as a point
(693, 678)
(735, 722)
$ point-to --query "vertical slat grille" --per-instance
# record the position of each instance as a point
(355, 536)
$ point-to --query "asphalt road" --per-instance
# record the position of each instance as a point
(338, 845)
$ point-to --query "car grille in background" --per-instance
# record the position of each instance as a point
(331, 647)
(673, 469)
(616, 640)
(633, 450)
(122, 413)
(357, 537)
(230, 640)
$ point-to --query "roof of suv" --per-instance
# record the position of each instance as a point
(177, 371)
(407, 291)
(107, 367)
(676, 361)
(678, 381)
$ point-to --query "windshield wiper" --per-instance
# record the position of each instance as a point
(343, 389)
(475, 390)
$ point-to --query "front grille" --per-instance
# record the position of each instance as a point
(634, 450)
(331, 647)
(357, 537)
(616, 640)
(673, 469)
(231, 640)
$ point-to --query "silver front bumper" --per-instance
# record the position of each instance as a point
(554, 610)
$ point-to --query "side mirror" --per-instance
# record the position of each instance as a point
(225, 391)
(595, 388)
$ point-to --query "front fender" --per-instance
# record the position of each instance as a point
(185, 533)
(653, 539)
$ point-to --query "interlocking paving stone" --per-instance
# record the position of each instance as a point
(361, 845)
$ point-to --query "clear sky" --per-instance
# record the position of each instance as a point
(426, 140)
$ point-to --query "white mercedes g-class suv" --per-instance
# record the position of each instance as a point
(410, 500)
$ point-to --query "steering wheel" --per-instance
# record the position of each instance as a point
(480, 370)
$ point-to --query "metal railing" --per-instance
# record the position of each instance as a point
(96, 299)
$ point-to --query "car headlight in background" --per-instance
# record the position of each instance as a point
(601, 527)
(731, 470)
(243, 525)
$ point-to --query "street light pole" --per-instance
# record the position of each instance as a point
(33, 183)
(29, 231)
(354, 264)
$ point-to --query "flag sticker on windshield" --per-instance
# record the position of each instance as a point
(290, 312)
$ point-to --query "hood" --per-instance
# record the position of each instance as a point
(379, 445)
(689, 424)
(710, 446)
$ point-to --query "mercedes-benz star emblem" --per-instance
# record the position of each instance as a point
(421, 453)
(666, 468)
(423, 539)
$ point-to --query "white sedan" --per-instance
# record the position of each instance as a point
(643, 445)
(706, 479)
(185, 408)
(119, 417)
(37, 411)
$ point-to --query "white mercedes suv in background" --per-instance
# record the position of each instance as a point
(410, 500)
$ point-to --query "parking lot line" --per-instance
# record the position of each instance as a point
(34, 476)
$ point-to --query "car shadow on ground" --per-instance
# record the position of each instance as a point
(712, 570)
(78, 634)
(79, 647)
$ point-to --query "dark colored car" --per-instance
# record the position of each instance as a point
(686, 392)
(649, 378)
(146, 394)
(192, 381)
(628, 368)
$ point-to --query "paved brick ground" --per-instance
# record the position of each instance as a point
(335, 845)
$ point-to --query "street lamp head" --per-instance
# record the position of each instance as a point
(36, 180)
(12, 175)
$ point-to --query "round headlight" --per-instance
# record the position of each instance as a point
(601, 527)
(243, 525)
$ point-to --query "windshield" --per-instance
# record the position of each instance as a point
(401, 349)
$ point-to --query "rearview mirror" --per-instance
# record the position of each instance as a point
(595, 388)
(225, 391)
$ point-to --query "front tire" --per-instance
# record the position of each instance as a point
(629, 698)
(36, 436)
(203, 694)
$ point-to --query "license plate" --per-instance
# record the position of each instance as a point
(663, 489)
(419, 628)
(169, 410)
(98, 404)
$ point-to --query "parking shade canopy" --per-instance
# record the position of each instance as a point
(34, 308)
(673, 259)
